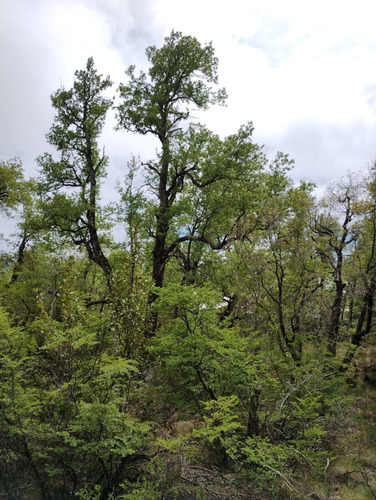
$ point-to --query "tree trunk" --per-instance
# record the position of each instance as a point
(45, 495)
(333, 327)
(95, 252)
(93, 245)
(20, 258)
(366, 311)
(253, 425)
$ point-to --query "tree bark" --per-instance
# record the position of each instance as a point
(335, 314)
(253, 425)
(20, 257)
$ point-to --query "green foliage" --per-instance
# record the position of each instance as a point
(71, 409)
(79, 120)
(177, 75)
(201, 357)
(37, 280)
(129, 319)
(221, 425)
(11, 177)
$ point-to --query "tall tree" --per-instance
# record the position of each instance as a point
(334, 231)
(365, 257)
(79, 120)
(159, 104)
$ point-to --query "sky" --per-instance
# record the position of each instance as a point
(303, 71)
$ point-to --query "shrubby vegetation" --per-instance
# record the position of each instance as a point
(225, 350)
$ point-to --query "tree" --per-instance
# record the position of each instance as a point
(18, 199)
(159, 105)
(365, 257)
(333, 234)
(79, 120)
(277, 266)
(17, 196)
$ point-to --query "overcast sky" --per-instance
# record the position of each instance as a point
(302, 70)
